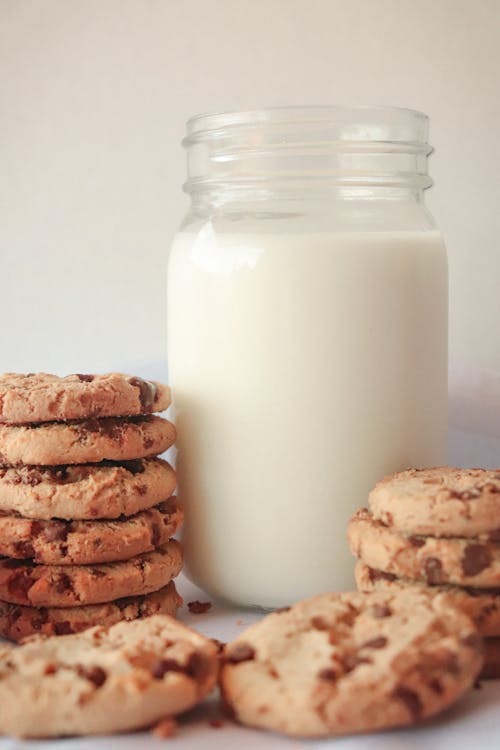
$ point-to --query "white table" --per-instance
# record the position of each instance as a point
(473, 724)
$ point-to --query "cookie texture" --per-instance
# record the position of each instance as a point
(72, 585)
(441, 501)
(104, 680)
(481, 605)
(433, 560)
(104, 490)
(86, 441)
(57, 542)
(18, 622)
(344, 663)
(40, 397)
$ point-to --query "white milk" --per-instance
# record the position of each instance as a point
(304, 367)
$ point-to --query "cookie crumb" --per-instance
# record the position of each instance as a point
(216, 723)
(165, 728)
(198, 608)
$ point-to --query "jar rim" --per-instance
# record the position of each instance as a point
(366, 122)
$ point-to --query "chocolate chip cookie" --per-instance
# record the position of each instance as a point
(343, 663)
(57, 542)
(29, 584)
(442, 501)
(481, 605)
(85, 441)
(18, 622)
(40, 397)
(427, 558)
(104, 490)
(104, 680)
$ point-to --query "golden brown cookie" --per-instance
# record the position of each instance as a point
(104, 680)
(344, 663)
(89, 491)
(86, 441)
(74, 585)
(40, 397)
(57, 542)
(442, 501)
(434, 560)
(18, 622)
(481, 605)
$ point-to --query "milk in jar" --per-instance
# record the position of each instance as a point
(307, 349)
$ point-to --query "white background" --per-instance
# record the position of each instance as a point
(93, 99)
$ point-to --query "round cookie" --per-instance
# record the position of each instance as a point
(491, 668)
(18, 622)
(74, 585)
(344, 663)
(441, 501)
(88, 441)
(89, 542)
(104, 680)
(84, 492)
(481, 605)
(426, 558)
(40, 397)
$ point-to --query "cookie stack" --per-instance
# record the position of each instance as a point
(87, 512)
(436, 528)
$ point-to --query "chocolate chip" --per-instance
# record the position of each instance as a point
(147, 392)
(380, 575)
(20, 584)
(160, 667)
(351, 661)
(381, 610)
(219, 644)
(437, 686)
(198, 666)
(416, 541)
(280, 610)
(63, 628)
(327, 674)
(148, 443)
(85, 378)
(24, 549)
(471, 494)
(494, 536)
(433, 570)
(142, 489)
(40, 619)
(56, 531)
(240, 652)
(411, 700)
(198, 608)
(62, 583)
(319, 623)
(451, 664)
(96, 675)
(50, 669)
(476, 558)
(378, 642)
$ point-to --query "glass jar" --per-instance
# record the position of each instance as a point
(307, 339)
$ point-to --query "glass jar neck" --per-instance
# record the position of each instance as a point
(299, 152)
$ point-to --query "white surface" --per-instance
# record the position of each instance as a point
(473, 723)
(93, 99)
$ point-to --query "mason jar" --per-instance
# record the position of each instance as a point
(307, 339)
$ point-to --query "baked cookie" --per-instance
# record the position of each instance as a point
(88, 441)
(80, 492)
(57, 542)
(18, 622)
(344, 663)
(104, 680)
(426, 558)
(73, 585)
(491, 668)
(40, 397)
(442, 501)
(481, 605)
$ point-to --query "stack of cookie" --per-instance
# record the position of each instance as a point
(436, 528)
(87, 512)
